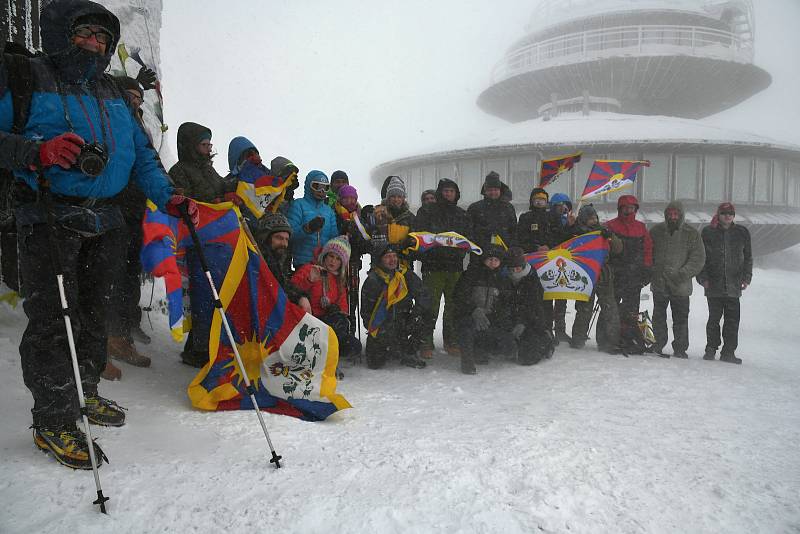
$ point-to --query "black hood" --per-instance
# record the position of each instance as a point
(447, 182)
(57, 20)
(189, 136)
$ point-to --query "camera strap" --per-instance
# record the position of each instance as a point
(101, 110)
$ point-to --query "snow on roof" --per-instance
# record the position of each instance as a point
(606, 128)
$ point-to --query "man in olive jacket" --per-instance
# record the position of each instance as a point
(727, 272)
(678, 256)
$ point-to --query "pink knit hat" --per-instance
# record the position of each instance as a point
(339, 246)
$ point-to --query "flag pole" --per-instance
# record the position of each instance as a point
(251, 391)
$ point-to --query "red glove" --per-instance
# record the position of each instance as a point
(176, 205)
(233, 197)
(61, 150)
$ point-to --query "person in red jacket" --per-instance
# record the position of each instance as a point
(325, 282)
(631, 269)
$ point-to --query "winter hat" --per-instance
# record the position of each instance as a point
(282, 167)
(627, 200)
(396, 187)
(270, 223)
(726, 206)
(340, 175)
(426, 193)
(126, 83)
(338, 246)
(237, 147)
(348, 191)
(561, 198)
(538, 192)
(515, 257)
(585, 213)
(492, 180)
(494, 251)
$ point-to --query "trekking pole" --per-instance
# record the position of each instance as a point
(594, 315)
(54, 256)
(251, 391)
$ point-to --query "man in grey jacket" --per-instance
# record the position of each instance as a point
(678, 256)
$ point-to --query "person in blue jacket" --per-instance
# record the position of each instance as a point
(67, 219)
(313, 221)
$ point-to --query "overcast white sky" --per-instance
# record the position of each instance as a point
(352, 83)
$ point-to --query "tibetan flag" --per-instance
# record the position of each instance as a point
(428, 240)
(570, 271)
(396, 290)
(160, 257)
(289, 356)
(498, 240)
(260, 191)
(609, 175)
(553, 167)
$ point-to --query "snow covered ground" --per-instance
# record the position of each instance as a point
(585, 442)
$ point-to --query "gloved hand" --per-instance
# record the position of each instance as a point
(147, 78)
(314, 225)
(233, 197)
(177, 205)
(61, 150)
(518, 330)
(331, 308)
(480, 319)
(605, 232)
(409, 242)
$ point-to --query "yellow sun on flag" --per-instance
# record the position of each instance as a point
(562, 168)
(559, 253)
(252, 353)
(618, 176)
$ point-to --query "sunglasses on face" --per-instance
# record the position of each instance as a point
(103, 36)
(320, 186)
(727, 213)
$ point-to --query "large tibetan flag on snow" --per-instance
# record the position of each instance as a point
(428, 240)
(553, 167)
(160, 254)
(259, 190)
(609, 175)
(570, 271)
(289, 356)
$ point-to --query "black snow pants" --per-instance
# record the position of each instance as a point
(719, 307)
(87, 264)
(680, 321)
(124, 313)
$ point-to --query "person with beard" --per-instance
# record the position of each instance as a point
(728, 271)
(393, 319)
(67, 219)
(483, 295)
(678, 256)
(442, 266)
(390, 221)
(531, 331)
(272, 235)
(603, 293)
(631, 269)
(492, 216)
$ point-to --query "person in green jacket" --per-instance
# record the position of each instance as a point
(194, 175)
(678, 256)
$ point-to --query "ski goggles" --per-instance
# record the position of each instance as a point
(102, 35)
(320, 186)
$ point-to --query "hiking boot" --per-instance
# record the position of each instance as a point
(426, 354)
(680, 354)
(710, 354)
(137, 334)
(730, 358)
(104, 412)
(68, 445)
(576, 343)
(658, 349)
(468, 365)
(121, 349)
(194, 359)
(453, 350)
(561, 335)
(111, 372)
(481, 359)
(411, 360)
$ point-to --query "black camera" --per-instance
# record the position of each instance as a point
(93, 159)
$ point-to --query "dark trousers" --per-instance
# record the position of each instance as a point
(475, 345)
(393, 341)
(87, 264)
(627, 295)
(560, 315)
(680, 321)
(719, 307)
(124, 312)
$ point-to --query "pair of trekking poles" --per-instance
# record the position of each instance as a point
(102, 499)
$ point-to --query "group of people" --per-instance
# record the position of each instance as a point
(82, 166)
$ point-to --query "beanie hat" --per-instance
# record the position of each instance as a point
(585, 213)
(726, 206)
(426, 193)
(396, 187)
(347, 191)
(515, 257)
(270, 223)
(339, 175)
(338, 246)
(492, 180)
(538, 192)
(493, 251)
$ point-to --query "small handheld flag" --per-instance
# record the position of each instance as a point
(609, 175)
(552, 168)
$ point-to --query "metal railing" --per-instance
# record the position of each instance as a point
(606, 42)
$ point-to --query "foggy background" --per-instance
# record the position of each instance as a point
(350, 84)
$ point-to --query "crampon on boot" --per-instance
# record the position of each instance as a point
(104, 412)
(68, 446)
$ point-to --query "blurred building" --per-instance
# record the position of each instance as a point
(629, 79)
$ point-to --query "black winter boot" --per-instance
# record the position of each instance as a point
(468, 364)
(710, 355)
(730, 358)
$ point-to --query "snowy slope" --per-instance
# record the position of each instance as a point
(585, 442)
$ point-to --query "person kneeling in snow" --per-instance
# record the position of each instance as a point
(393, 303)
(481, 297)
(326, 283)
(531, 329)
